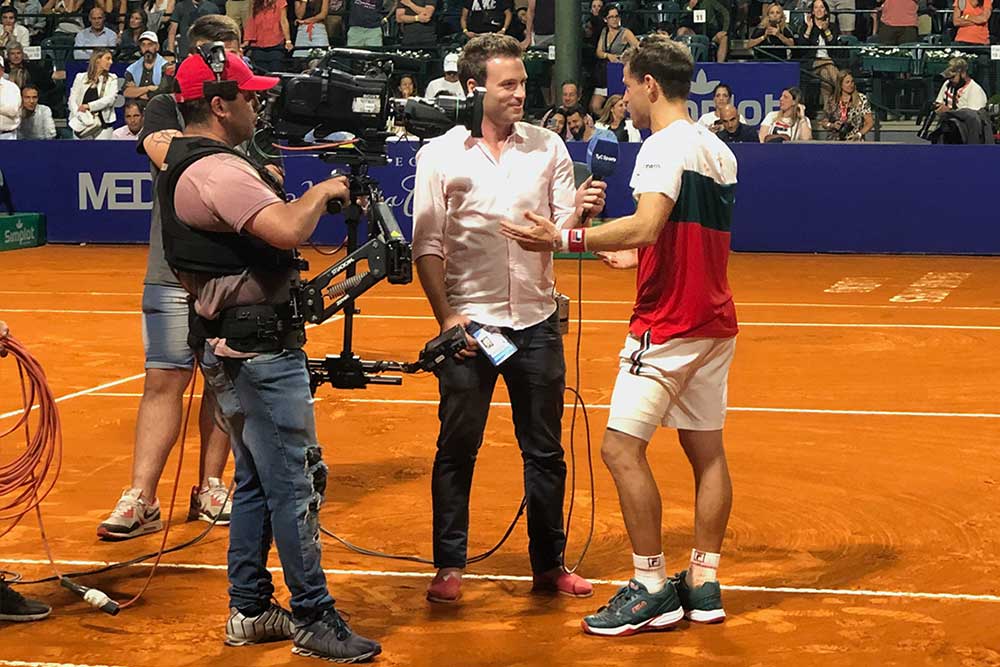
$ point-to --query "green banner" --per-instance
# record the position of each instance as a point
(22, 230)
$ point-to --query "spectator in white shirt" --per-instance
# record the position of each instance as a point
(133, 122)
(449, 83)
(960, 91)
(10, 31)
(36, 119)
(97, 35)
(471, 274)
(10, 106)
(789, 122)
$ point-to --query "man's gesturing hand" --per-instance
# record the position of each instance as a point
(541, 236)
(589, 198)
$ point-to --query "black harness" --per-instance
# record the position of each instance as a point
(256, 328)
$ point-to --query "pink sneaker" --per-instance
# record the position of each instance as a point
(446, 587)
(564, 583)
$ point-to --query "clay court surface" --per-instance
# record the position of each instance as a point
(862, 441)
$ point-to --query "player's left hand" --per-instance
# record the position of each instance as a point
(590, 198)
(539, 236)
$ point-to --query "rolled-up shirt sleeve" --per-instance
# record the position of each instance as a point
(562, 198)
(430, 210)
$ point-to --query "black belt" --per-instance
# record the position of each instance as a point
(263, 328)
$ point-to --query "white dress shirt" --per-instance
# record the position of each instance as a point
(461, 194)
(124, 133)
(38, 124)
(10, 108)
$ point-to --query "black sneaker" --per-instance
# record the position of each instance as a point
(702, 604)
(330, 638)
(15, 607)
(634, 609)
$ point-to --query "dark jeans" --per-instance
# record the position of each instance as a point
(536, 378)
(269, 59)
(280, 477)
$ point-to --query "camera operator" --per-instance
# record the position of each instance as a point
(465, 187)
(960, 91)
(731, 129)
(229, 235)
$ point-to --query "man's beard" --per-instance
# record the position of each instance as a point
(578, 134)
(149, 56)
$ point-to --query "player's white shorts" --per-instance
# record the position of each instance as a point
(680, 384)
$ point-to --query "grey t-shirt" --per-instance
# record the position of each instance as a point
(161, 114)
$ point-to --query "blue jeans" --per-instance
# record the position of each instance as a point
(280, 477)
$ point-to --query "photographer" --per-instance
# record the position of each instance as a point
(772, 32)
(960, 91)
(229, 234)
(730, 127)
(848, 115)
(465, 187)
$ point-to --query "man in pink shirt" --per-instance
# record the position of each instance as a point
(898, 23)
(471, 274)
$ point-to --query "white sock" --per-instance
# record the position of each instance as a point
(704, 567)
(650, 571)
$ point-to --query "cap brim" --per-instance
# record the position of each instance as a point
(257, 82)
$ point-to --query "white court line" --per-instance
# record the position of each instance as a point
(429, 318)
(99, 387)
(968, 597)
(606, 406)
(22, 663)
(618, 302)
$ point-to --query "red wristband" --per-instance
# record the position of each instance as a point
(577, 240)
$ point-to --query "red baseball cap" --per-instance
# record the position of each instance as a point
(194, 72)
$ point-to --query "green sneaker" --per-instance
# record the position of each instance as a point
(634, 609)
(702, 604)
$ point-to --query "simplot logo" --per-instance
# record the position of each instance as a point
(19, 235)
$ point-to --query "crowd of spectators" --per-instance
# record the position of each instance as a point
(100, 38)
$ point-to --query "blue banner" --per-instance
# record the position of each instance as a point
(756, 86)
(101, 192)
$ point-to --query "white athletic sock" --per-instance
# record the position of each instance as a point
(650, 571)
(704, 567)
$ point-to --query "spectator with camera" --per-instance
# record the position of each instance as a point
(848, 114)
(36, 119)
(960, 91)
(570, 92)
(972, 18)
(819, 32)
(773, 34)
(556, 122)
(731, 128)
(789, 122)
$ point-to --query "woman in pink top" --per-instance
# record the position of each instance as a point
(267, 35)
(973, 22)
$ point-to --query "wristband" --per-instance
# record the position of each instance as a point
(575, 240)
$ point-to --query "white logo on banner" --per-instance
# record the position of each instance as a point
(118, 191)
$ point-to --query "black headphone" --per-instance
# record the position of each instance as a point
(214, 55)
